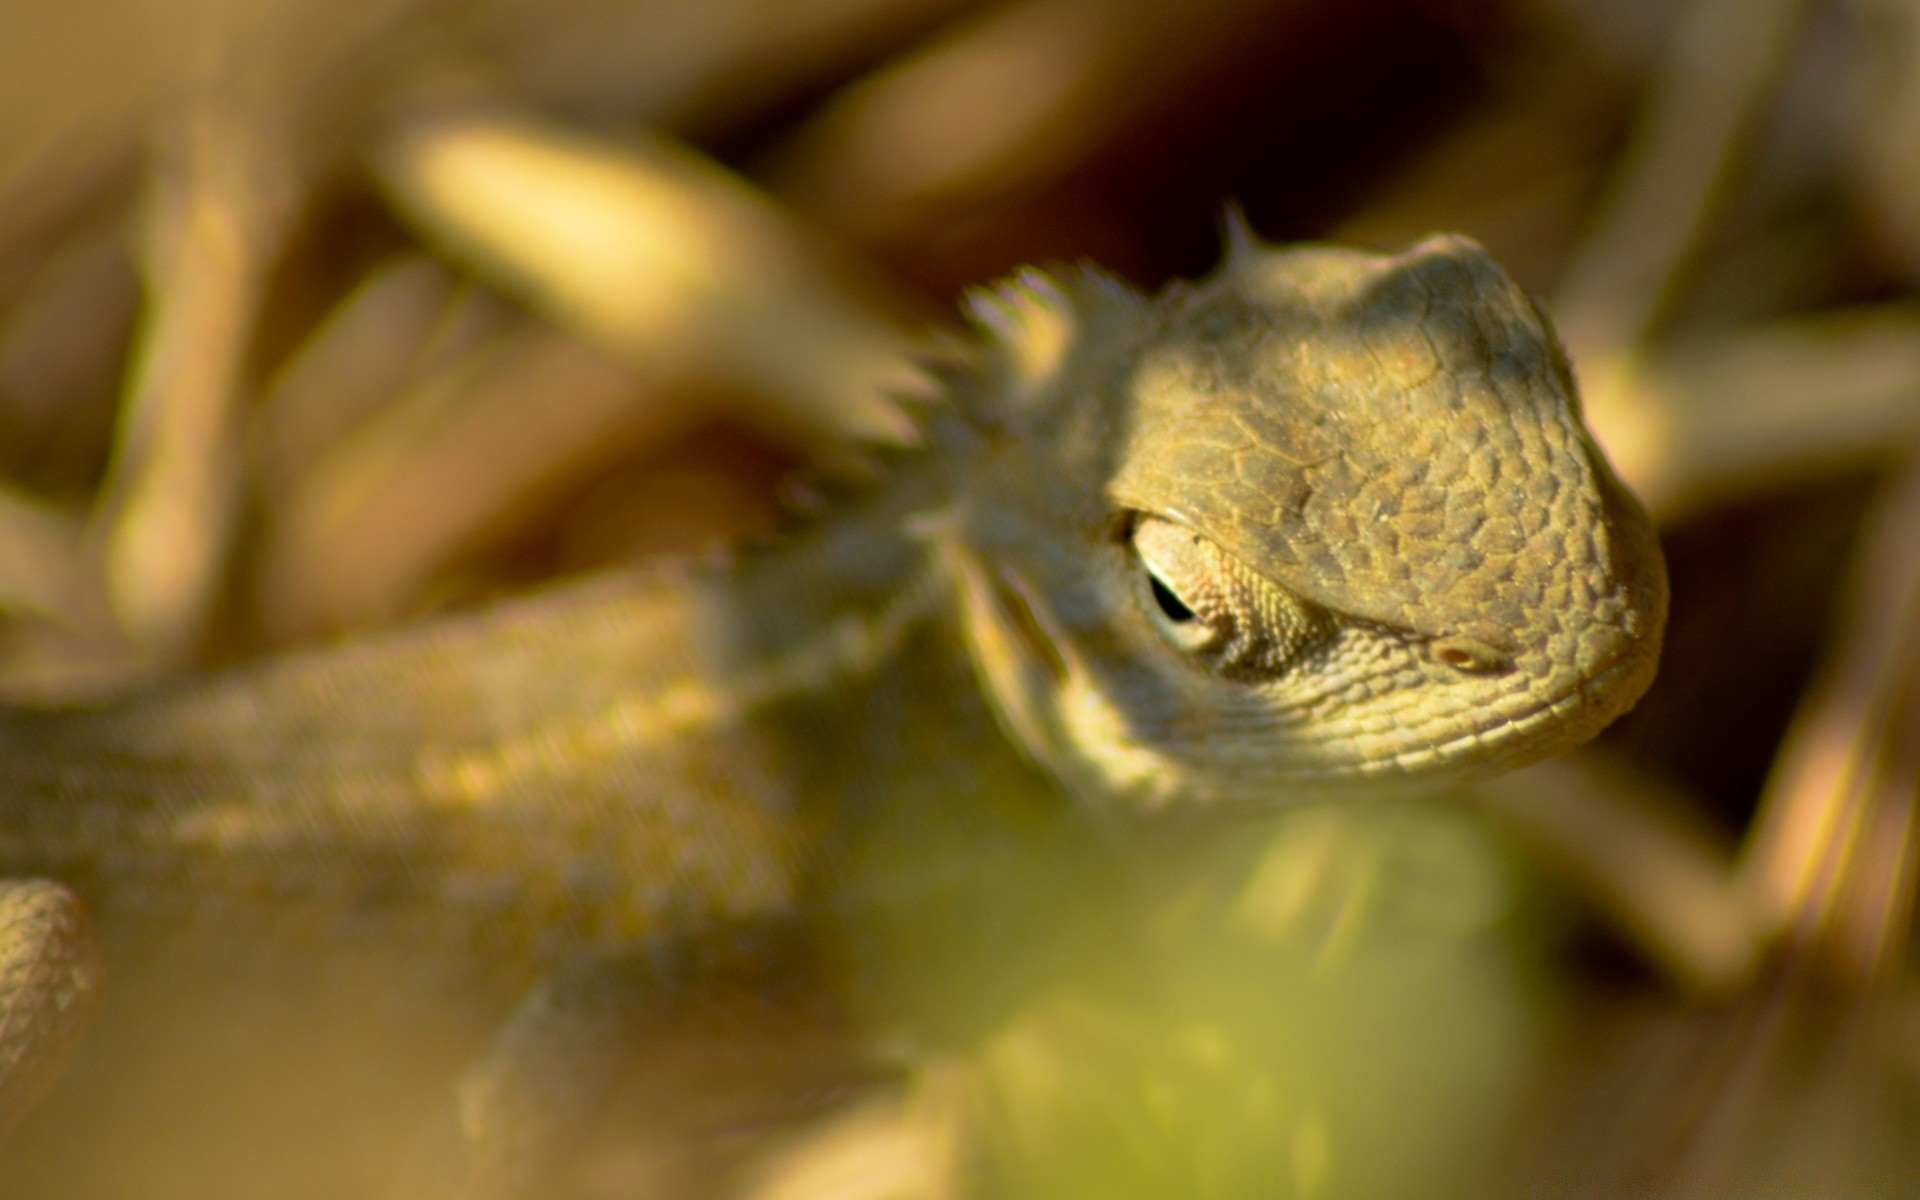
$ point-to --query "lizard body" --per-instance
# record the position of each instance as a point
(1326, 525)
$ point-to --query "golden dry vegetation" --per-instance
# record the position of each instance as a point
(317, 316)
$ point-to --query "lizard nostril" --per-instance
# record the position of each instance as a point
(1470, 657)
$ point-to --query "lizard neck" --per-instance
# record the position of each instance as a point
(572, 768)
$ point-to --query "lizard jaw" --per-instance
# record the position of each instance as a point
(1541, 731)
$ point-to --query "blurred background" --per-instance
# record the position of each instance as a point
(319, 316)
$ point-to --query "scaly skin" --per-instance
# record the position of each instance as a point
(1324, 526)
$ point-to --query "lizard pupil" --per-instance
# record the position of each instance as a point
(1170, 604)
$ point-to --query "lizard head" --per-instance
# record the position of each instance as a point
(1325, 524)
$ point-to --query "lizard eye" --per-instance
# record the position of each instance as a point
(1210, 606)
(1172, 607)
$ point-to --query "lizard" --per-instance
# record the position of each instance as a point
(1324, 526)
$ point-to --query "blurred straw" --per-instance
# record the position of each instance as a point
(662, 257)
(1689, 426)
(216, 214)
(1724, 60)
(1885, 143)
(1631, 847)
(1832, 857)
(700, 65)
(1770, 406)
(1007, 101)
(1725, 57)
(405, 320)
(356, 538)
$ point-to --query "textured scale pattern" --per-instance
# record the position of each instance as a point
(49, 987)
(1394, 441)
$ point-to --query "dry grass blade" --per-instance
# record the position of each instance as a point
(1834, 851)
(1001, 103)
(1885, 146)
(405, 320)
(1628, 846)
(217, 212)
(663, 258)
(693, 65)
(359, 536)
(1720, 72)
(1769, 407)
(1721, 69)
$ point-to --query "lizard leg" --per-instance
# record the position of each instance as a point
(522, 1107)
(49, 988)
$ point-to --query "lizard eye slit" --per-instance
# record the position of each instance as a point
(1170, 604)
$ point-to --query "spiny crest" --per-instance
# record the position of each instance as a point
(944, 357)
(1237, 238)
(1032, 324)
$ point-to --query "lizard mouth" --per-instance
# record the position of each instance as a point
(1538, 731)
